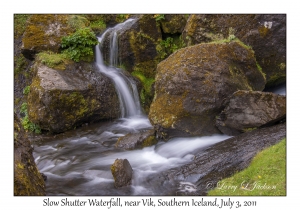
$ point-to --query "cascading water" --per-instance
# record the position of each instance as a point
(128, 96)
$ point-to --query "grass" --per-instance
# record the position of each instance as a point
(53, 60)
(266, 175)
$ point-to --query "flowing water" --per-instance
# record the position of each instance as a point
(78, 162)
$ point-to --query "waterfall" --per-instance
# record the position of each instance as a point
(125, 87)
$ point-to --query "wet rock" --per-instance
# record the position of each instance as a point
(192, 83)
(137, 45)
(266, 34)
(137, 140)
(247, 110)
(27, 179)
(122, 172)
(61, 100)
(218, 162)
(44, 32)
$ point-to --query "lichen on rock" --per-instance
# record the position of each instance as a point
(192, 83)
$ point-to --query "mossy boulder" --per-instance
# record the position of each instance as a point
(27, 179)
(266, 34)
(192, 83)
(173, 23)
(137, 140)
(45, 31)
(122, 172)
(248, 110)
(61, 100)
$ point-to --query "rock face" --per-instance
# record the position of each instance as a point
(137, 45)
(27, 179)
(218, 161)
(246, 110)
(122, 172)
(137, 140)
(266, 34)
(192, 83)
(173, 23)
(60, 100)
(44, 32)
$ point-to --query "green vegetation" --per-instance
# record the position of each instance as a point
(98, 25)
(20, 24)
(169, 45)
(145, 93)
(26, 123)
(266, 175)
(26, 90)
(77, 21)
(79, 46)
(159, 17)
(20, 64)
(53, 60)
(122, 17)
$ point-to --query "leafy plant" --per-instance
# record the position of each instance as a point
(26, 90)
(79, 46)
(169, 45)
(26, 123)
(159, 17)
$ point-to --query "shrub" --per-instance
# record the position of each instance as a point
(79, 46)
(26, 123)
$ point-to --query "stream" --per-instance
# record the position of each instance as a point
(78, 162)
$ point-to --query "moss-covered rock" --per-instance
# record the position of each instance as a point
(137, 140)
(248, 110)
(266, 34)
(173, 23)
(61, 100)
(27, 179)
(45, 31)
(122, 172)
(192, 83)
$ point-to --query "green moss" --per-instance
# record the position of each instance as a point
(57, 61)
(276, 79)
(76, 22)
(249, 129)
(267, 169)
(151, 140)
(122, 17)
(98, 26)
(20, 64)
(20, 24)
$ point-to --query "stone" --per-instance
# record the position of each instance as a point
(192, 83)
(61, 100)
(248, 110)
(265, 33)
(28, 181)
(122, 172)
(137, 140)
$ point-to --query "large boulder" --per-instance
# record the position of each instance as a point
(61, 100)
(137, 140)
(266, 34)
(248, 110)
(27, 179)
(45, 31)
(122, 172)
(192, 83)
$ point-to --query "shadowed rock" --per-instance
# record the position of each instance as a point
(122, 172)
(247, 110)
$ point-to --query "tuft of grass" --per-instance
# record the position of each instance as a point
(98, 25)
(53, 60)
(266, 175)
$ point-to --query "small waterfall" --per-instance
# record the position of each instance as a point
(125, 87)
